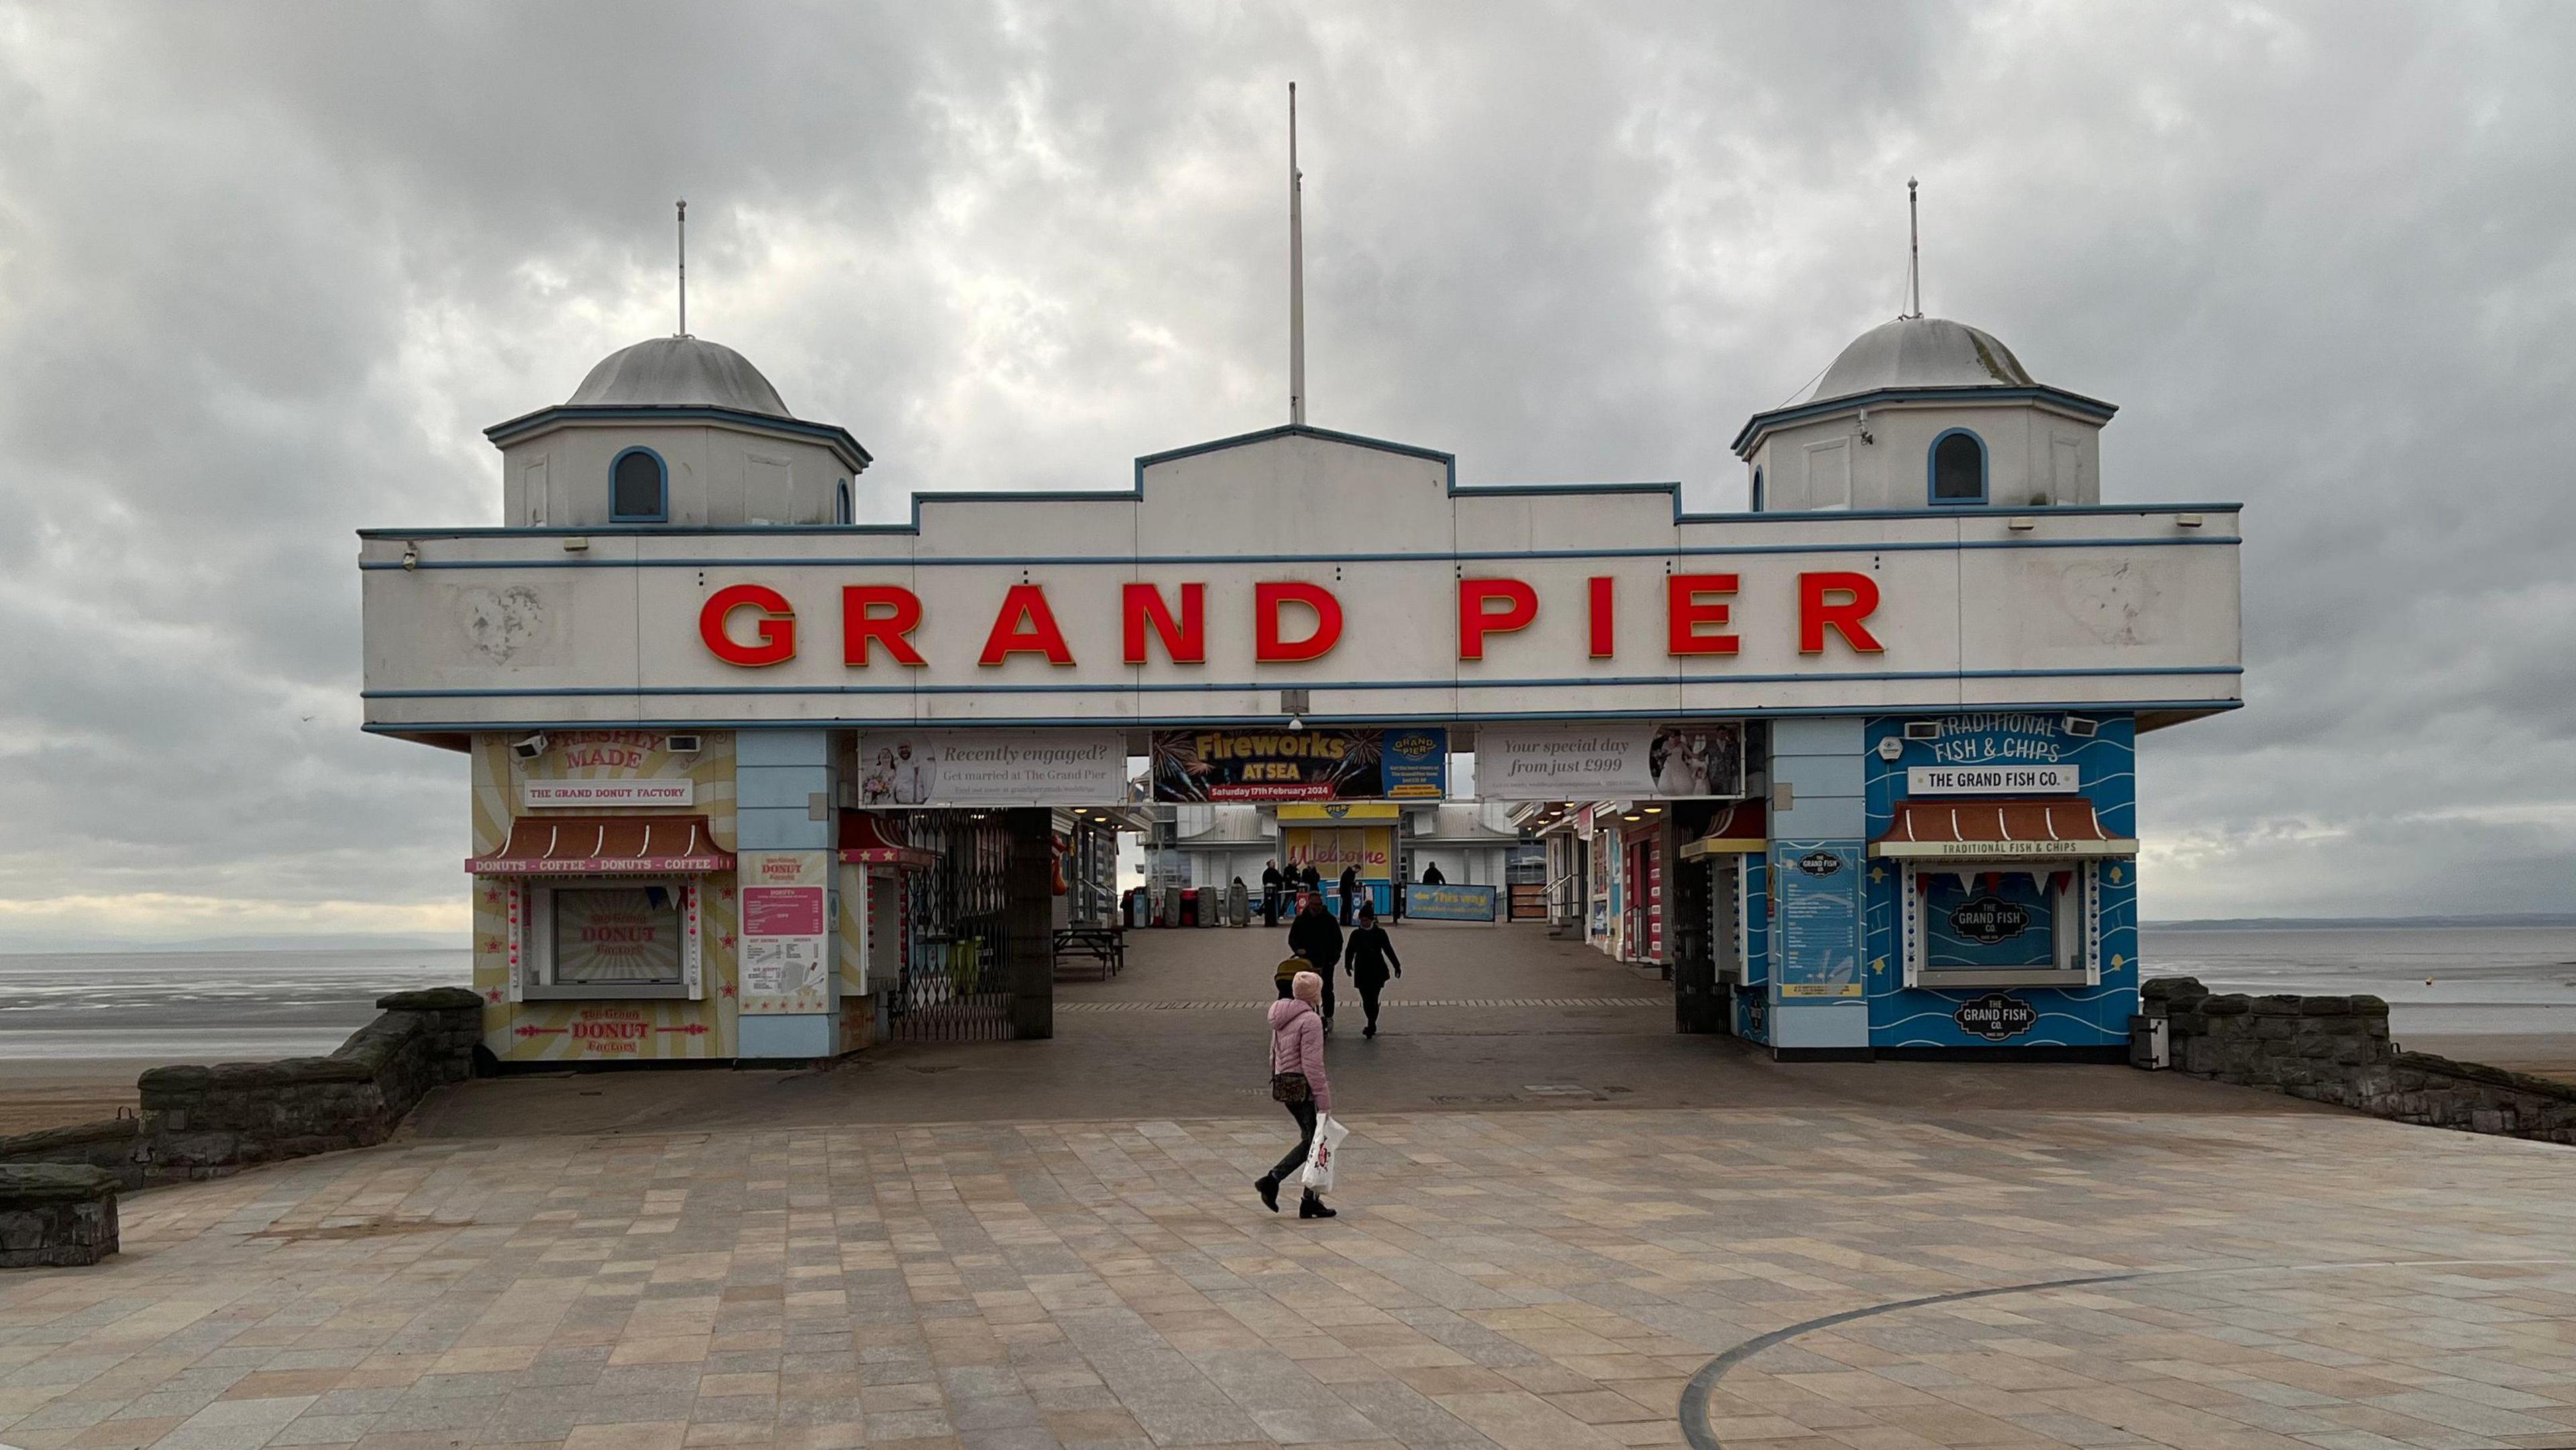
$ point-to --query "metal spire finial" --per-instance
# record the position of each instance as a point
(1913, 251)
(1296, 273)
(684, 267)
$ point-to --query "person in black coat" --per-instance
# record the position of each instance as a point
(1431, 875)
(1315, 936)
(1367, 957)
(1313, 878)
(1271, 882)
(1350, 890)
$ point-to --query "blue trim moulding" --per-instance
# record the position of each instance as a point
(1123, 561)
(662, 470)
(1932, 471)
(1136, 493)
(1156, 722)
(831, 435)
(537, 692)
(1750, 436)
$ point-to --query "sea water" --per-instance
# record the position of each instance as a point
(203, 1006)
(2439, 980)
(244, 1006)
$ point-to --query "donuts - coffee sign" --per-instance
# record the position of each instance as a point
(1996, 1017)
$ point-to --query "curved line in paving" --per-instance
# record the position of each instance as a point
(1694, 1406)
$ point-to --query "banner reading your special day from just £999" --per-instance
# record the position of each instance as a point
(1677, 761)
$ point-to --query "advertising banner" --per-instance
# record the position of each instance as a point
(783, 942)
(992, 768)
(1819, 888)
(1410, 763)
(1684, 760)
(1450, 903)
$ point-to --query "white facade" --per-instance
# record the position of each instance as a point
(2130, 607)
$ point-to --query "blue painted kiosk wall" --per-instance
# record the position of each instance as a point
(2081, 1017)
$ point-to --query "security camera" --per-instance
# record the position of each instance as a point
(528, 747)
(1922, 729)
(1866, 436)
(2081, 728)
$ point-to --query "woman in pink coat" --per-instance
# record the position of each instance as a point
(1297, 1048)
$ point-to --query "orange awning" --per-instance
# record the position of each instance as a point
(865, 841)
(1992, 829)
(604, 846)
(1740, 828)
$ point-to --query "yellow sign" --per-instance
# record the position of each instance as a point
(1337, 814)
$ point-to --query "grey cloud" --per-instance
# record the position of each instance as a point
(265, 273)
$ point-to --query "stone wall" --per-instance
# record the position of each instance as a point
(203, 1122)
(55, 1215)
(2337, 1050)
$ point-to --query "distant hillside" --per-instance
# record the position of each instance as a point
(322, 942)
(2351, 923)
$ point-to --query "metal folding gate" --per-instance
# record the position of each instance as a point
(956, 984)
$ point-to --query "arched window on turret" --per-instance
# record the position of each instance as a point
(1958, 468)
(638, 488)
(1757, 490)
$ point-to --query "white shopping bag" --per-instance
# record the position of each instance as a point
(1326, 1153)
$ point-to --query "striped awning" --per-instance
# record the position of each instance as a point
(604, 846)
(2058, 828)
(867, 839)
(1740, 828)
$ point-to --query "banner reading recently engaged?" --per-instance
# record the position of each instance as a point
(992, 768)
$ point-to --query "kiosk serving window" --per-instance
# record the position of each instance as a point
(627, 935)
(2001, 893)
(1992, 924)
(605, 906)
(610, 939)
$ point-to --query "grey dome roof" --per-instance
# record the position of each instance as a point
(679, 372)
(1921, 352)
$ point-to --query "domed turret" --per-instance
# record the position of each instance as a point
(1926, 413)
(1921, 352)
(674, 431)
(668, 372)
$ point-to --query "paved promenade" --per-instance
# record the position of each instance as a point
(2257, 1273)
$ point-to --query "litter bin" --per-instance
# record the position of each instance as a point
(1189, 907)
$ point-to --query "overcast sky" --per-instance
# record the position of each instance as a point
(266, 272)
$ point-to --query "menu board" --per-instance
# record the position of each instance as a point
(785, 905)
(1819, 884)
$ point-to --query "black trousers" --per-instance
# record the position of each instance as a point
(1304, 1113)
(1270, 906)
(1369, 988)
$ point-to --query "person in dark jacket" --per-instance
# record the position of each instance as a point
(1315, 936)
(1350, 891)
(1313, 878)
(1271, 882)
(1431, 875)
(1370, 952)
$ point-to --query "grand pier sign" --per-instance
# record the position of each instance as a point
(1299, 559)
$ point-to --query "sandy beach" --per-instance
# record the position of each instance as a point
(76, 1030)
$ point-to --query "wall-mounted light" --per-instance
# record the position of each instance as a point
(411, 557)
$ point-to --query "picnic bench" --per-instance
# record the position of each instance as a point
(1101, 951)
